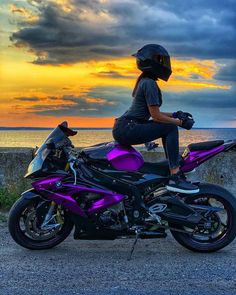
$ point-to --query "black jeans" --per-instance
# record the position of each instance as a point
(131, 131)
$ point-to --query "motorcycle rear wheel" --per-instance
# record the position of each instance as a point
(226, 229)
(22, 225)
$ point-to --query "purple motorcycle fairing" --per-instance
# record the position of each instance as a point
(122, 158)
(195, 158)
(53, 182)
(107, 198)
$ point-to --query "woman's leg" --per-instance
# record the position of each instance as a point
(171, 146)
(134, 133)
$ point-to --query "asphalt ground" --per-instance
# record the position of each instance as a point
(101, 267)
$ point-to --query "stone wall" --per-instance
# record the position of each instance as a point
(220, 170)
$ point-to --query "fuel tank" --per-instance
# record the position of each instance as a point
(119, 156)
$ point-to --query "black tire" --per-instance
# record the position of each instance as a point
(229, 201)
(23, 240)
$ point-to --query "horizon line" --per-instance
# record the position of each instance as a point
(84, 128)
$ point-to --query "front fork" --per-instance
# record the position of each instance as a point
(51, 215)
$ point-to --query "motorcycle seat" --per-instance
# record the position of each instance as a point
(205, 146)
(160, 168)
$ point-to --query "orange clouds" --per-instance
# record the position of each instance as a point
(50, 84)
(187, 74)
(203, 68)
(15, 9)
(101, 101)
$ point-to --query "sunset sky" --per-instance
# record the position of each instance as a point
(71, 59)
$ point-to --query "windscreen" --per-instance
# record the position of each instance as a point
(56, 136)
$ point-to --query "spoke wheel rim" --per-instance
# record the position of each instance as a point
(223, 226)
(29, 226)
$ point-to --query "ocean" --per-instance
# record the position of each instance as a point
(87, 137)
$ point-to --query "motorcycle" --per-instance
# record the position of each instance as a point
(107, 191)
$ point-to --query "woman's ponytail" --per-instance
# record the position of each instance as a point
(143, 75)
(136, 84)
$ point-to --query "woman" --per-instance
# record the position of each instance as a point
(134, 126)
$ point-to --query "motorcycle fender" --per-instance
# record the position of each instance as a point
(70, 204)
(30, 194)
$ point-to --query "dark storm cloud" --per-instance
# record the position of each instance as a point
(203, 29)
(59, 37)
(98, 102)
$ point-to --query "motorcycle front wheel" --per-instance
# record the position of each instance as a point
(26, 228)
(220, 228)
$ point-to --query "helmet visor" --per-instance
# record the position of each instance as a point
(163, 60)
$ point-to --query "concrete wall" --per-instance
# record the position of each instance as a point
(220, 170)
(13, 164)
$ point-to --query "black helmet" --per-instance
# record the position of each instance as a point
(155, 59)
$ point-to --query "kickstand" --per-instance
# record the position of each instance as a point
(135, 242)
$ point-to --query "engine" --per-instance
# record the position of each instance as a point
(112, 218)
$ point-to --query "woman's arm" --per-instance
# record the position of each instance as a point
(162, 117)
(168, 114)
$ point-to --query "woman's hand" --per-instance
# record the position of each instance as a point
(180, 122)
(185, 118)
(182, 115)
(187, 124)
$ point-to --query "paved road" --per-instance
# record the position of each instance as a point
(92, 267)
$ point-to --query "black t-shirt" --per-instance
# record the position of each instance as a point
(147, 94)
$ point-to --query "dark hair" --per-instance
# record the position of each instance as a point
(143, 75)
